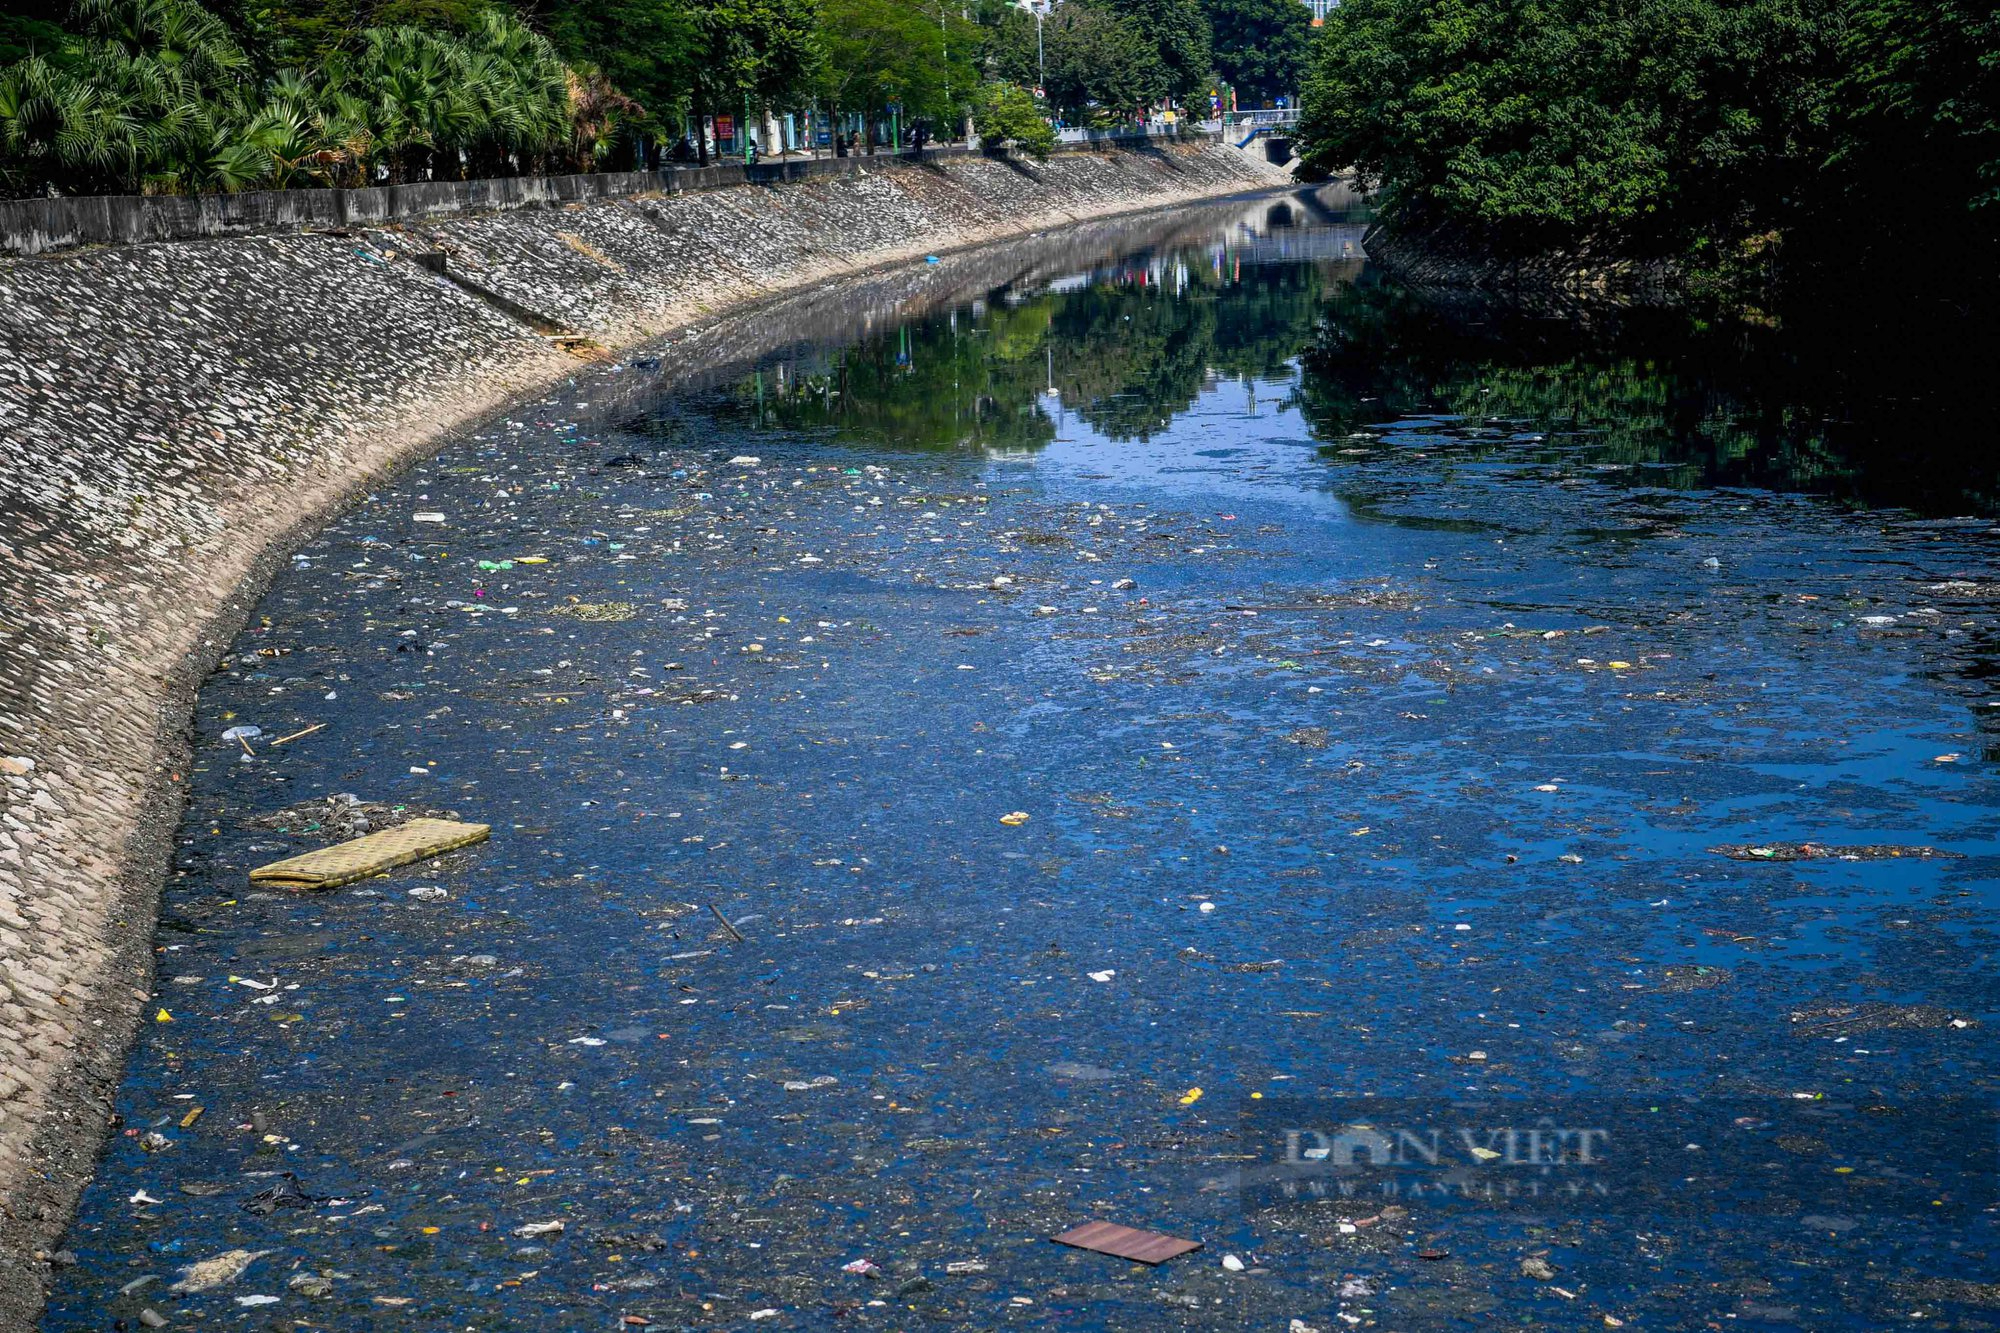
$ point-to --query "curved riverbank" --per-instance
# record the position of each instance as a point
(1447, 257)
(1178, 667)
(180, 416)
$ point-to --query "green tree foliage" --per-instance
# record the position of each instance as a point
(158, 95)
(306, 34)
(751, 51)
(419, 96)
(1725, 132)
(1176, 32)
(1108, 59)
(1261, 47)
(147, 95)
(920, 56)
(27, 31)
(1919, 107)
(1100, 63)
(1660, 122)
(182, 95)
(1007, 46)
(1009, 114)
(641, 46)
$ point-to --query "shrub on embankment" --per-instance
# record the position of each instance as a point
(1738, 140)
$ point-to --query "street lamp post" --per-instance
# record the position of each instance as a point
(1041, 71)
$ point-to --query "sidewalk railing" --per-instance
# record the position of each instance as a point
(1283, 118)
(1076, 134)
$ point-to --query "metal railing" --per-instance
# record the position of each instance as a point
(1076, 134)
(1283, 118)
(1243, 128)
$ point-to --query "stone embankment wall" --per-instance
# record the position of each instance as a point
(39, 226)
(1453, 258)
(174, 417)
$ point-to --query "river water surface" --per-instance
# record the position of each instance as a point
(1173, 694)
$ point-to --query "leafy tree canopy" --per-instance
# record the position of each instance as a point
(1663, 123)
(759, 49)
(1176, 32)
(180, 95)
(1099, 62)
(1007, 34)
(1261, 47)
(160, 95)
(879, 52)
(1009, 114)
(1919, 104)
(642, 46)
(1740, 136)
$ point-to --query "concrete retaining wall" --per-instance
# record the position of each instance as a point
(176, 416)
(40, 226)
(1449, 257)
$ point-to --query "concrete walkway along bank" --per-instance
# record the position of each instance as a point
(175, 415)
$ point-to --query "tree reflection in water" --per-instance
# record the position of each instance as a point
(1881, 417)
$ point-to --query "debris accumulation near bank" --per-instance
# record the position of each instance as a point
(177, 411)
(859, 751)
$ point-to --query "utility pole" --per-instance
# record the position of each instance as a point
(1041, 71)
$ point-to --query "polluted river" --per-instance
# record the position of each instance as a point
(1474, 817)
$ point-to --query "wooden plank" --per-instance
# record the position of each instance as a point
(346, 862)
(1144, 1247)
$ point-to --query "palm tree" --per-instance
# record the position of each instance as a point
(595, 110)
(157, 97)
